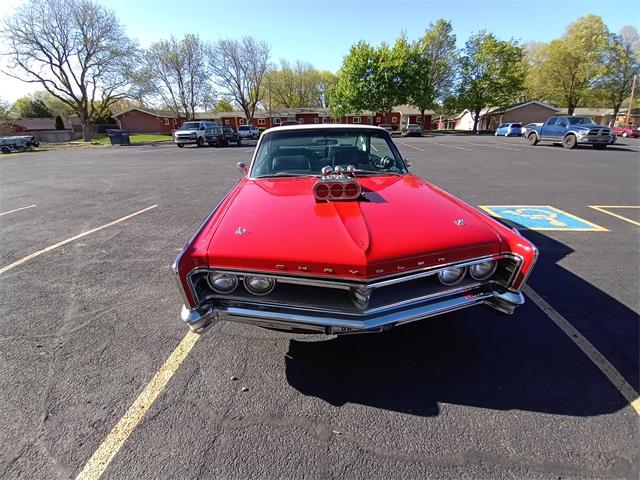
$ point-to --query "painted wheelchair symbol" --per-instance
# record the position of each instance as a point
(537, 214)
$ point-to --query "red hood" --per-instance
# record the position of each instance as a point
(406, 223)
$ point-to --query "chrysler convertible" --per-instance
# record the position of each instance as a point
(328, 232)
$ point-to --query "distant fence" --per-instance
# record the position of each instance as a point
(54, 135)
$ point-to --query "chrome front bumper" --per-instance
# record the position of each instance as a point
(298, 319)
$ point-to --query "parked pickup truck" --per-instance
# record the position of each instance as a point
(570, 131)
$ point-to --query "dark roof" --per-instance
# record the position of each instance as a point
(150, 111)
(523, 104)
(37, 123)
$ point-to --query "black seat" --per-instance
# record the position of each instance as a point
(291, 163)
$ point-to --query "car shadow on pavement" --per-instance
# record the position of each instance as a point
(481, 358)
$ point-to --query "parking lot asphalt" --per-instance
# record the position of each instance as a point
(471, 394)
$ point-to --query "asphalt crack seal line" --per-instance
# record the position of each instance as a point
(108, 449)
(599, 360)
(69, 240)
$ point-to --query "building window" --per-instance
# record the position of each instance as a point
(378, 119)
(324, 119)
(316, 120)
(261, 121)
(301, 120)
(356, 119)
(276, 121)
(226, 121)
(336, 120)
(394, 119)
(242, 121)
(166, 121)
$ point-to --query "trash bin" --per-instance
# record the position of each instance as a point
(114, 136)
(118, 137)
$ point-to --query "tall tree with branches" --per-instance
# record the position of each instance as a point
(239, 68)
(434, 62)
(492, 73)
(621, 65)
(76, 49)
(174, 73)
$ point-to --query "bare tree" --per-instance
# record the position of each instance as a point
(239, 68)
(174, 72)
(76, 49)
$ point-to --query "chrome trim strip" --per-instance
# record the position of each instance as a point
(199, 320)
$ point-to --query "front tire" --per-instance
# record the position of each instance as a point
(569, 142)
(533, 139)
(239, 142)
(180, 145)
(199, 142)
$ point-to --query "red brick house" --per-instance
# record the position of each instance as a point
(146, 120)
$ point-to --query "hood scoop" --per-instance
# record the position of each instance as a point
(337, 185)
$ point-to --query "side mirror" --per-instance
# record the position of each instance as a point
(408, 162)
(243, 167)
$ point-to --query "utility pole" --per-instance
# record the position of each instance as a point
(633, 91)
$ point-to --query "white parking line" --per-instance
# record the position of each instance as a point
(493, 146)
(599, 360)
(69, 240)
(407, 145)
(17, 210)
(452, 146)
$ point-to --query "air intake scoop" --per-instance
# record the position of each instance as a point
(336, 186)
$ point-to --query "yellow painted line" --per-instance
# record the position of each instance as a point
(604, 209)
(407, 145)
(17, 210)
(69, 240)
(119, 434)
(451, 146)
(599, 360)
(592, 228)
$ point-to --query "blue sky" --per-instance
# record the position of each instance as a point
(321, 32)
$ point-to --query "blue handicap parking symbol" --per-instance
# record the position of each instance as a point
(541, 217)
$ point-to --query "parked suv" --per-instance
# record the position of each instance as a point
(413, 130)
(222, 136)
(192, 133)
(248, 131)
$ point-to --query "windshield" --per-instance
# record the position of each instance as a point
(189, 126)
(302, 153)
(516, 125)
(580, 121)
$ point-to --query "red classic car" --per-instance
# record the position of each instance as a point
(627, 131)
(328, 232)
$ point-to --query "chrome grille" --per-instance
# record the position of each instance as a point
(340, 296)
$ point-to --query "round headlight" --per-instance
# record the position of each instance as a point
(259, 285)
(482, 271)
(222, 282)
(451, 276)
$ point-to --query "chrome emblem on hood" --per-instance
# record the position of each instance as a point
(459, 222)
(240, 231)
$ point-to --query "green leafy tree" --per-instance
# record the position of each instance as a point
(30, 107)
(433, 63)
(621, 64)
(372, 78)
(491, 73)
(568, 68)
(223, 105)
(5, 113)
(326, 81)
(293, 85)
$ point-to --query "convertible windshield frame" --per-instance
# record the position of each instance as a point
(291, 153)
